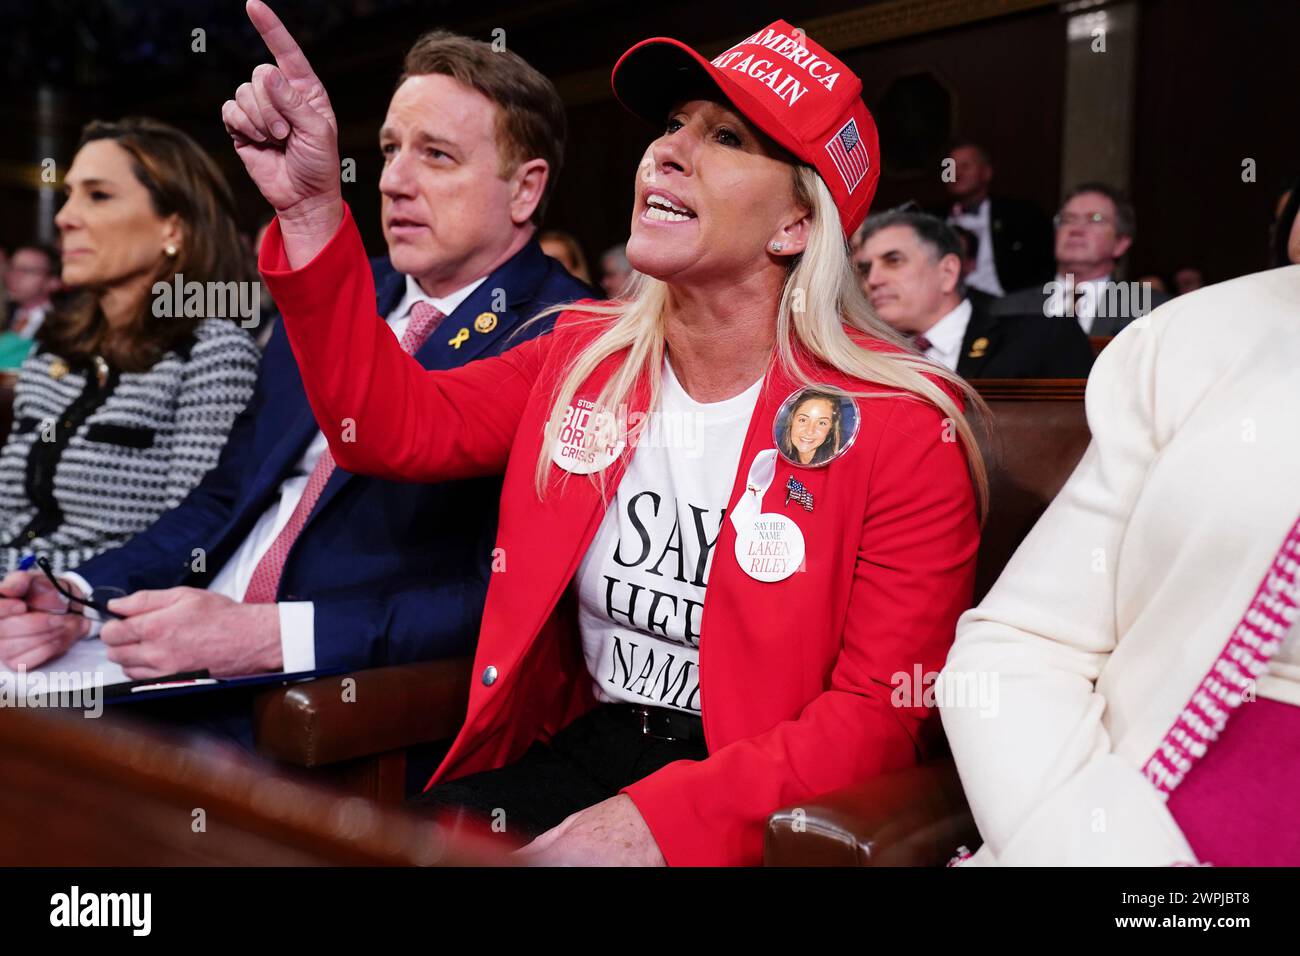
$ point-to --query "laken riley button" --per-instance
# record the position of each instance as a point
(588, 441)
(815, 425)
(769, 546)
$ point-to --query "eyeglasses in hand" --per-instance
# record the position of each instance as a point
(97, 602)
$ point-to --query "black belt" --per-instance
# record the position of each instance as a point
(661, 722)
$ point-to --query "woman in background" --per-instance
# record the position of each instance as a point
(564, 249)
(126, 400)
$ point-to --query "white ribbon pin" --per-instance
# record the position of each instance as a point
(769, 547)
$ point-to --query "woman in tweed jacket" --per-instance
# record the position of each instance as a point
(126, 402)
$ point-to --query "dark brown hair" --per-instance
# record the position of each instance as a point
(182, 180)
(531, 122)
(831, 443)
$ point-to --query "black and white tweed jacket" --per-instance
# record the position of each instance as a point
(87, 465)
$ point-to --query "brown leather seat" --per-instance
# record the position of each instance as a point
(1039, 434)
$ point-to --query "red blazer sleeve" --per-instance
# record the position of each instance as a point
(912, 579)
(381, 411)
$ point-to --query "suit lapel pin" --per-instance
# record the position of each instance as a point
(978, 347)
(58, 368)
(486, 322)
(459, 339)
(795, 491)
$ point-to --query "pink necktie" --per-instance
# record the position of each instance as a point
(921, 343)
(264, 585)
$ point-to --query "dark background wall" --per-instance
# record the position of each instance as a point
(1215, 84)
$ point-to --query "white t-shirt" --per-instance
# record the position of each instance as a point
(641, 583)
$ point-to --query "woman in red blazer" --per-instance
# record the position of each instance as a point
(689, 629)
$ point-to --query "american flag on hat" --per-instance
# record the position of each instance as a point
(849, 154)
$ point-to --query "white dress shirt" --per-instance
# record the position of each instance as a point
(1086, 294)
(27, 322)
(985, 274)
(298, 618)
(946, 335)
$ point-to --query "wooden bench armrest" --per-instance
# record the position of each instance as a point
(383, 709)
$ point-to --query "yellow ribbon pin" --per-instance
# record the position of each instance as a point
(978, 348)
(461, 338)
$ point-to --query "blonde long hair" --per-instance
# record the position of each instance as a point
(820, 297)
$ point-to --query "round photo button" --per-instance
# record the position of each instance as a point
(815, 425)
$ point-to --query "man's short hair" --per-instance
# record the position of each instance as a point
(970, 241)
(1125, 216)
(933, 232)
(51, 254)
(531, 123)
(983, 153)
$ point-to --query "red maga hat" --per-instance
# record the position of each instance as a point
(783, 83)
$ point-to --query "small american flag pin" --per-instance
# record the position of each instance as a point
(796, 492)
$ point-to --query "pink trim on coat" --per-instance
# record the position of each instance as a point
(1242, 661)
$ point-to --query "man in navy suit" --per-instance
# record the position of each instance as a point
(277, 561)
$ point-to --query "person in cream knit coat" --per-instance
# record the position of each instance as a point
(1143, 637)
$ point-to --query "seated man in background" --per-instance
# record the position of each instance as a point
(911, 262)
(31, 282)
(1094, 231)
(280, 561)
(970, 247)
(1013, 236)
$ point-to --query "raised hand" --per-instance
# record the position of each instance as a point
(284, 130)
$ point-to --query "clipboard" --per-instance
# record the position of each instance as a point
(87, 661)
(180, 685)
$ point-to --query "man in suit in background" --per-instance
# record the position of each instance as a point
(1014, 247)
(1094, 231)
(278, 561)
(30, 284)
(910, 264)
(970, 244)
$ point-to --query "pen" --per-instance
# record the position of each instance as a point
(168, 685)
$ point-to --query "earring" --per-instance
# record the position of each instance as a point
(778, 246)
(170, 250)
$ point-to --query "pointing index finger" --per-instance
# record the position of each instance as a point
(288, 55)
